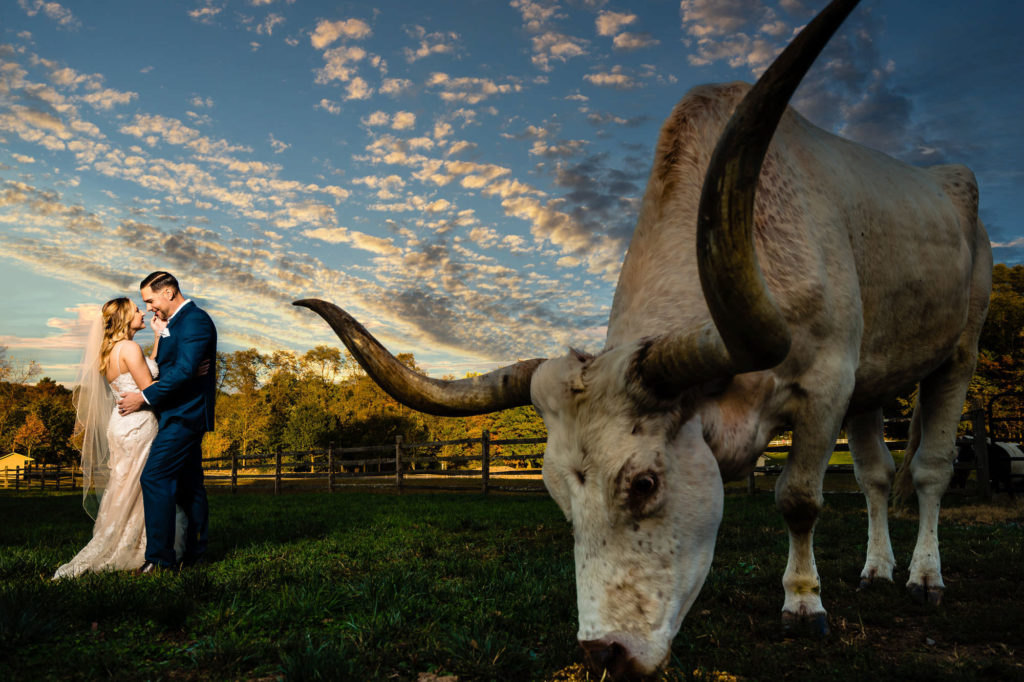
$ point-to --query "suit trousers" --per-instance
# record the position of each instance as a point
(174, 475)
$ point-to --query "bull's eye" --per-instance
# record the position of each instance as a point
(644, 484)
(642, 489)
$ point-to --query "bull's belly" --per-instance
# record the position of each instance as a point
(881, 378)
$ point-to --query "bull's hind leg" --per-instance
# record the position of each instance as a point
(939, 406)
(798, 496)
(874, 468)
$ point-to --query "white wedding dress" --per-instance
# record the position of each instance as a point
(119, 535)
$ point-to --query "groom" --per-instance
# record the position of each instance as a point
(183, 399)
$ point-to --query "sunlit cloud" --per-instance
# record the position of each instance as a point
(609, 23)
(328, 32)
(429, 44)
(51, 10)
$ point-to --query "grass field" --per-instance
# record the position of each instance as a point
(369, 586)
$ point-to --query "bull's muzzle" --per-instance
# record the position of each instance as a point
(610, 658)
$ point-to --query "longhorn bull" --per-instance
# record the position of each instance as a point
(848, 277)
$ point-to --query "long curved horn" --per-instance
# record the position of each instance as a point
(497, 390)
(751, 332)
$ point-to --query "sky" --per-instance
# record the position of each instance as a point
(462, 176)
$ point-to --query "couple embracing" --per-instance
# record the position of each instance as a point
(143, 420)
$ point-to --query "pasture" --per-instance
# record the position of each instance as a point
(367, 586)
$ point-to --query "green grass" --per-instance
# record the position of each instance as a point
(372, 587)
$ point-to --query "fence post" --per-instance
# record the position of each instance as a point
(751, 486)
(42, 478)
(17, 478)
(398, 463)
(981, 453)
(234, 472)
(330, 467)
(57, 477)
(6, 480)
(277, 471)
(485, 451)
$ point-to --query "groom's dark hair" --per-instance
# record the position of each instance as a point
(160, 280)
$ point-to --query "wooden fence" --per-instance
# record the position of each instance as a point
(402, 466)
(397, 465)
(41, 477)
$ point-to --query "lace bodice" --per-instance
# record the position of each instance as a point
(124, 383)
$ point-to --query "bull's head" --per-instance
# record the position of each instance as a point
(626, 457)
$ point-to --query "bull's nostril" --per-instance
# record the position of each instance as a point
(608, 656)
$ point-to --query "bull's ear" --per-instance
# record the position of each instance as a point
(498, 390)
(580, 355)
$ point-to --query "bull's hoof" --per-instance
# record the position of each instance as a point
(867, 581)
(808, 625)
(926, 593)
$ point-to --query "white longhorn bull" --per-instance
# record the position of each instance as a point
(849, 277)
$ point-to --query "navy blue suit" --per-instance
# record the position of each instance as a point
(184, 403)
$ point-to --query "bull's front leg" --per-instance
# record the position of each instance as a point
(799, 499)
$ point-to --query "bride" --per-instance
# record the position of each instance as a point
(115, 447)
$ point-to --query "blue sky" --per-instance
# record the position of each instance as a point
(462, 176)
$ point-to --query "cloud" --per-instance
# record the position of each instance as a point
(702, 18)
(548, 44)
(616, 78)
(327, 32)
(358, 89)
(277, 145)
(395, 86)
(329, 106)
(634, 41)
(266, 27)
(403, 120)
(339, 64)
(468, 89)
(562, 148)
(552, 46)
(430, 43)
(205, 14)
(107, 99)
(609, 23)
(359, 240)
(51, 10)
(72, 333)
(387, 187)
(535, 15)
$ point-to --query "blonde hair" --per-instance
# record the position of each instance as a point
(117, 318)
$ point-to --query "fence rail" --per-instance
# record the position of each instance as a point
(401, 465)
(41, 477)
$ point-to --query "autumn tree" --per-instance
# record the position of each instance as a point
(51, 402)
(1001, 361)
(243, 415)
(14, 375)
(31, 434)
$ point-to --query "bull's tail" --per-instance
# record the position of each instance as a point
(903, 486)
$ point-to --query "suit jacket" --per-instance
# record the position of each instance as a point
(180, 395)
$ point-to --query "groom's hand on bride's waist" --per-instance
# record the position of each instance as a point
(130, 402)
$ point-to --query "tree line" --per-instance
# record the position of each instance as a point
(304, 401)
(266, 402)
